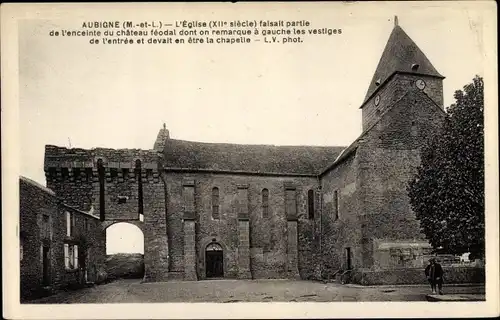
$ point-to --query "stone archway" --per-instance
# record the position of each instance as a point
(203, 244)
(124, 249)
(214, 260)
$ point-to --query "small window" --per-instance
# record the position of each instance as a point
(215, 203)
(336, 204)
(71, 256)
(310, 204)
(122, 199)
(414, 129)
(45, 226)
(70, 224)
(265, 203)
(88, 174)
(113, 173)
(64, 173)
(125, 173)
(77, 173)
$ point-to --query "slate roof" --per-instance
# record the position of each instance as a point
(37, 185)
(399, 55)
(270, 159)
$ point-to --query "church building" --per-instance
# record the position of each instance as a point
(217, 210)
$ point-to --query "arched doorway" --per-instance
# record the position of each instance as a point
(214, 260)
(124, 251)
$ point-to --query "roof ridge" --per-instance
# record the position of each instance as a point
(37, 184)
(343, 154)
(257, 145)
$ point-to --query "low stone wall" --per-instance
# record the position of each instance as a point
(454, 275)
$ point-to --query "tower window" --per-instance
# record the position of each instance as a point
(415, 66)
(125, 173)
(265, 203)
(310, 204)
(64, 173)
(114, 173)
(77, 173)
(215, 203)
(336, 210)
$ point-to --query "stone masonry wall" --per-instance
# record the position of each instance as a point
(155, 231)
(388, 158)
(267, 236)
(394, 90)
(74, 177)
(88, 235)
(64, 171)
(36, 201)
(340, 229)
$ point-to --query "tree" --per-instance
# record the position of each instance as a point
(447, 193)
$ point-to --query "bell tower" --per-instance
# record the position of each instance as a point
(402, 67)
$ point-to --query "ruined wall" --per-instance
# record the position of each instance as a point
(239, 227)
(388, 158)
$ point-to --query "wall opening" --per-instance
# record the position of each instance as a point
(265, 203)
(214, 260)
(310, 204)
(124, 251)
(215, 203)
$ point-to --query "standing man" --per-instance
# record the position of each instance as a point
(434, 273)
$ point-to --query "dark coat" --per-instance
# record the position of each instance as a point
(434, 272)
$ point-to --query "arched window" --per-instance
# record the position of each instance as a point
(215, 203)
(265, 203)
(310, 203)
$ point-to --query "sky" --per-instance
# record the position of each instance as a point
(124, 238)
(75, 94)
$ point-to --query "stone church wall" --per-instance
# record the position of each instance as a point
(340, 225)
(240, 212)
(388, 158)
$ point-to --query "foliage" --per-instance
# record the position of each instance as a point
(447, 193)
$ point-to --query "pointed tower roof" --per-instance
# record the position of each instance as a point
(401, 54)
